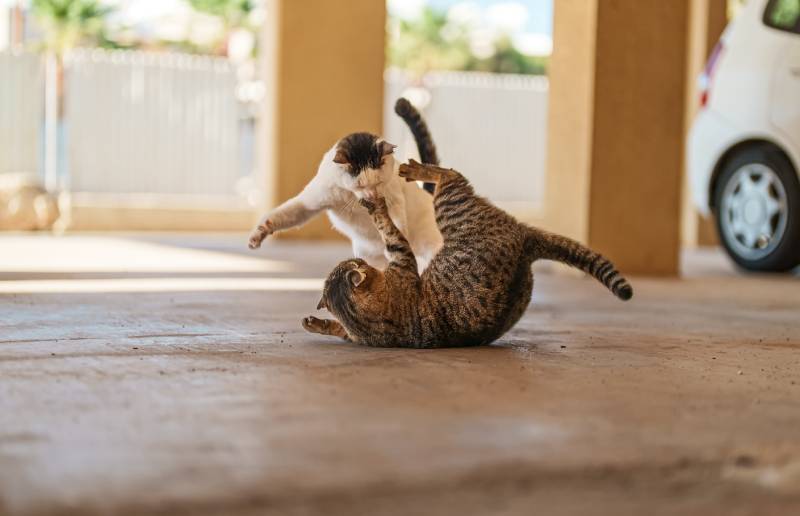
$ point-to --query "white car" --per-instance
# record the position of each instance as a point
(744, 146)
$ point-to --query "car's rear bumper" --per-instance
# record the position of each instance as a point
(710, 137)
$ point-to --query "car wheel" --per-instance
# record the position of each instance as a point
(757, 201)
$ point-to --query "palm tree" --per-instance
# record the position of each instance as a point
(233, 14)
(66, 24)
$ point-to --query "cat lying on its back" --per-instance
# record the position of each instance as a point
(475, 289)
(359, 166)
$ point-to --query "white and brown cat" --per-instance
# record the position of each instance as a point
(362, 166)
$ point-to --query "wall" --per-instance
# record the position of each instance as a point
(490, 127)
(152, 123)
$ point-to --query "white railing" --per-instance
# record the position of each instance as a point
(491, 127)
(21, 108)
(170, 124)
(152, 123)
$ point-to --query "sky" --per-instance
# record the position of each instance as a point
(529, 22)
(538, 17)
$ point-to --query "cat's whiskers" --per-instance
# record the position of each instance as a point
(350, 205)
(362, 165)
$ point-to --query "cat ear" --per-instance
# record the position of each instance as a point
(340, 158)
(386, 148)
(357, 276)
(322, 304)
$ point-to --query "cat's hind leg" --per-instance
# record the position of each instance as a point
(325, 327)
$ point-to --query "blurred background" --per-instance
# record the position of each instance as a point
(141, 105)
(171, 115)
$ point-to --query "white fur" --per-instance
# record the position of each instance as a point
(333, 189)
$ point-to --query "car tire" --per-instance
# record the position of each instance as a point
(752, 185)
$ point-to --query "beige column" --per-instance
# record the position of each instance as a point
(707, 20)
(616, 126)
(323, 63)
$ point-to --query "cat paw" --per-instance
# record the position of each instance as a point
(372, 205)
(369, 205)
(410, 170)
(259, 234)
(314, 325)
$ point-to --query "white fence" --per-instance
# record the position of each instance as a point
(134, 122)
(21, 109)
(170, 124)
(152, 123)
(491, 127)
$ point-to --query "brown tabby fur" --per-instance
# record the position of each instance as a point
(475, 289)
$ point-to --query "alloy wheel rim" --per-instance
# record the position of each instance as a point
(754, 211)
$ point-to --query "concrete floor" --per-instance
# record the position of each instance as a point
(171, 375)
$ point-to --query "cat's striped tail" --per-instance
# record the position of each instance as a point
(427, 150)
(549, 246)
(425, 146)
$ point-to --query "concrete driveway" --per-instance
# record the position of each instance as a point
(169, 374)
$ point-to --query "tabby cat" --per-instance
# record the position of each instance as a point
(474, 290)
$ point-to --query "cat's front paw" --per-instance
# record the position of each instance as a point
(410, 171)
(314, 325)
(369, 205)
(259, 234)
(374, 205)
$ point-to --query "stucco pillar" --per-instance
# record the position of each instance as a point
(323, 63)
(616, 127)
(707, 20)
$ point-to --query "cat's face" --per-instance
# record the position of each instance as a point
(366, 162)
(351, 287)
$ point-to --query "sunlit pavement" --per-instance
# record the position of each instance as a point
(170, 373)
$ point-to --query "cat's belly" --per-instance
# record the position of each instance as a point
(363, 235)
(359, 228)
(464, 313)
(353, 225)
(424, 237)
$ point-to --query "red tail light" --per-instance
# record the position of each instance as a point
(708, 73)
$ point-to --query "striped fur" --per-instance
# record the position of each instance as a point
(418, 127)
(422, 136)
(549, 246)
(475, 289)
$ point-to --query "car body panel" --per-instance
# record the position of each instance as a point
(711, 137)
(786, 91)
(754, 95)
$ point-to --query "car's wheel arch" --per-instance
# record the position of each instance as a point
(736, 149)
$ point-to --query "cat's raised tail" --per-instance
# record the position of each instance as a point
(549, 246)
(412, 118)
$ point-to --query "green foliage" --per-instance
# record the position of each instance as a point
(432, 42)
(420, 45)
(232, 12)
(507, 59)
(68, 23)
